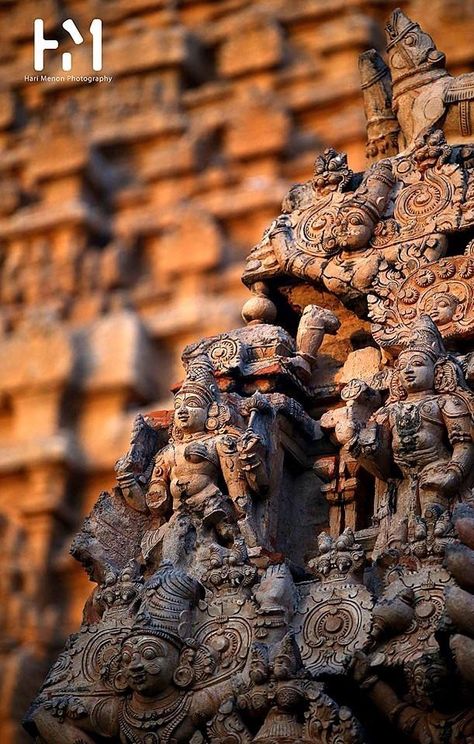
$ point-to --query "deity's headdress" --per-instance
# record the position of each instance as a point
(168, 599)
(399, 26)
(200, 380)
(424, 337)
(331, 171)
(288, 650)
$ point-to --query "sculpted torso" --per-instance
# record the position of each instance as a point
(188, 467)
(418, 432)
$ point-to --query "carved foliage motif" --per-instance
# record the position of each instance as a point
(334, 621)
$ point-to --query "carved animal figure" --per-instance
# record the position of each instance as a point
(424, 93)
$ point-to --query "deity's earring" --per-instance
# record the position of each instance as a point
(184, 673)
(212, 422)
(445, 376)
(459, 313)
(120, 682)
(397, 392)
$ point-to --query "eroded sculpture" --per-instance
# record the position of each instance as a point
(288, 556)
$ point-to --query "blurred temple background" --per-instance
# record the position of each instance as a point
(126, 210)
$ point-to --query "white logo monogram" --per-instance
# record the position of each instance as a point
(41, 44)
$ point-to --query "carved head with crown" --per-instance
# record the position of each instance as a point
(150, 655)
(423, 363)
(197, 403)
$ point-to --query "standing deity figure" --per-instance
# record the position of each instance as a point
(202, 481)
(420, 443)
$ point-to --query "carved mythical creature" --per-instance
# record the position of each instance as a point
(209, 447)
(420, 443)
(424, 94)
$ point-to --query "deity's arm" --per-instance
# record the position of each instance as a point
(252, 461)
(371, 445)
(449, 478)
(459, 425)
(132, 490)
(404, 716)
(226, 448)
(219, 699)
(67, 720)
(158, 496)
(280, 236)
(242, 464)
(407, 718)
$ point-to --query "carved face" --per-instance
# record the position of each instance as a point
(190, 412)
(416, 371)
(258, 666)
(429, 682)
(354, 229)
(442, 307)
(148, 664)
(282, 666)
(324, 565)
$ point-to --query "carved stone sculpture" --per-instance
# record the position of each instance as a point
(288, 555)
(424, 94)
(382, 124)
(424, 432)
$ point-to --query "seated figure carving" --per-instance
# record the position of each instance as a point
(202, 480)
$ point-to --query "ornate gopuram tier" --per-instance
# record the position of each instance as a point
(288, 556)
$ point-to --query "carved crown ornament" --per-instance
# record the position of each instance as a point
(290, 550)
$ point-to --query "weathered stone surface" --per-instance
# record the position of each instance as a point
(219, 107)
(227, 604)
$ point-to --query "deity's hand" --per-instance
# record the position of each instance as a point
(66, 706)
(368, 440)
(360, 667)
(346, 427)
(157, 498)
(125, 465)
(282, 222)
(250, 448)
(443, 479)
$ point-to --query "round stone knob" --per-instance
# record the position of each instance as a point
(259, 309)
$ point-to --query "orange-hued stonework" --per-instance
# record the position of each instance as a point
(126, 212)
